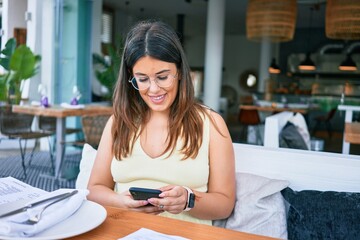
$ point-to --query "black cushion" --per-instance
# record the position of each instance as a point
(290, 137)
(322, 215)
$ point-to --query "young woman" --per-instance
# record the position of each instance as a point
(160, 137)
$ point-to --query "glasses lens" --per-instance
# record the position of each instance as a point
(141, 83)
(164, 81)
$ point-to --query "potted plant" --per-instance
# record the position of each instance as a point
(20, 63)
(108, 72)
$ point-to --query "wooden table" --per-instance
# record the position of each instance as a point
(351, 130)
(120, 222)
(61, 113)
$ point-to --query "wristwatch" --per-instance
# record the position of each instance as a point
(190, 199)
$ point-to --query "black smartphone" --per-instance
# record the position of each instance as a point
(144, 193)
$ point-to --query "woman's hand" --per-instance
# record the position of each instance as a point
(173, 199)
(139, 205)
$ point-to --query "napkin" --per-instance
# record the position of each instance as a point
(12, 226)
(147, 234)
(67, 105)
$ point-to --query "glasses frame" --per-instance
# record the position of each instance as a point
(132, 80)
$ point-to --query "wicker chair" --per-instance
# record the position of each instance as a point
(93, 126)
(18, 126)
(48, 124)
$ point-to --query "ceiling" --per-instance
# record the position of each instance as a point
(196, 10)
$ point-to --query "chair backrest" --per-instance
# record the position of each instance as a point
(249, 117)
(273, 126)
(47, 123)
(93, 126)
(13, 123)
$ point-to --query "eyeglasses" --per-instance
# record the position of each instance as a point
(143, 82)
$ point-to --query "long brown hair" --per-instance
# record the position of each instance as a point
(160, 41)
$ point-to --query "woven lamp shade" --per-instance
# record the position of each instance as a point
(274, 20)
(343, 19)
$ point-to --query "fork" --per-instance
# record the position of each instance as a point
(36, 218)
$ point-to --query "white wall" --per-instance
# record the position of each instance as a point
(12, 17)
(237, 49)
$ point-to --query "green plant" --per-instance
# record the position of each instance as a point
(20, 63)
(7, 52)
(108, 73)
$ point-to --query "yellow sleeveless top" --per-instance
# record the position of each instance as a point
(140, 170)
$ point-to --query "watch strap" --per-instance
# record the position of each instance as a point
(190, 199)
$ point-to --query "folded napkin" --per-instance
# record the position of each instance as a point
(67, 105)
(12, 226)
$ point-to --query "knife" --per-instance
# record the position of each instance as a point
(15, 210)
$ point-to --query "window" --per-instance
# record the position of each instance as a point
(106, 27)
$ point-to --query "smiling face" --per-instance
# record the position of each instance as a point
(158, 99)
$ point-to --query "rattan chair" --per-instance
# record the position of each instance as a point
(19, 126)
(93, 126)
(48, 124)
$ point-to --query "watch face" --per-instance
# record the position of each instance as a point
(191, 203)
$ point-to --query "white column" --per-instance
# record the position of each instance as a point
(265, 60)
(214, 53)
(33, 41)
(96, 42)
(48, 46)
(47, 52)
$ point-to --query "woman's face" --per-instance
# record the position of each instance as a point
(148, 70)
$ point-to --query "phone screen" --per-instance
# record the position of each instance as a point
(144, 193)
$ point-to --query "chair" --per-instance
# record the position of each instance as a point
(93, 126)
(48, 124)
(18, 126)
(325, 120)
(247, 118)
(273, 126)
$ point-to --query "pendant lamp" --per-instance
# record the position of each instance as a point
(342, 19)
(273, 20)
(307, 64)
(274, 68)
(348, 64)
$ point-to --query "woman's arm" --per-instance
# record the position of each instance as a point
(101, 183)
(219, 201)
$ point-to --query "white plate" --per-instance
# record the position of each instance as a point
(89, 216)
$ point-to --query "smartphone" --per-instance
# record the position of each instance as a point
(144, 193)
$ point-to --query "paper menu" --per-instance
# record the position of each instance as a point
(12, 190)
(147, 234)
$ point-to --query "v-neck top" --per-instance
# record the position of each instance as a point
(141, 170)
